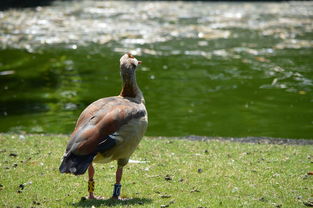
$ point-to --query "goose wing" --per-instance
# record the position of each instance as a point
(93, 129)
(99, 120)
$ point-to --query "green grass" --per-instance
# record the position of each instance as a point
(199, 174)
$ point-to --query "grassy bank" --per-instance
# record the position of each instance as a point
(176, 173)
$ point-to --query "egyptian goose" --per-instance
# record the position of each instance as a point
(108, 129)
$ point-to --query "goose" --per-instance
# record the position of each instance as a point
(109, 129)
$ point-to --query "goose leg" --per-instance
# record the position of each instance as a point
(117, 185)
(91, 182)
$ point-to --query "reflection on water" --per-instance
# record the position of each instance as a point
(131, 23)
(215, 69)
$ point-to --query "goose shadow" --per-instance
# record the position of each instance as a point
(111, 202)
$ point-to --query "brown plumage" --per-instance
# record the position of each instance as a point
(109, 128)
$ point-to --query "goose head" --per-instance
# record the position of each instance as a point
(128, 64)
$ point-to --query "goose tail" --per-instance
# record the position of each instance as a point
(75, 164)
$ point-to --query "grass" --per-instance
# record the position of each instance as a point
(177, 173)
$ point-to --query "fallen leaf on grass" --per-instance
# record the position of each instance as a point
(194, 190)
(13, 155)
(22, 186)
(262, 199)
(277, 205)
(308, 203)
(168, 178)
(36, 203)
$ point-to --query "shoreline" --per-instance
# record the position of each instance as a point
(254, 140)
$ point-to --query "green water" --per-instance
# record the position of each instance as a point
(213, 69)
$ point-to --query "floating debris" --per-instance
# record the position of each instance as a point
(3, 73)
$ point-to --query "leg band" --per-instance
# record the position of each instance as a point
(117, 190)
(91, 186)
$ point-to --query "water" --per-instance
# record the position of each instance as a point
(213, 69)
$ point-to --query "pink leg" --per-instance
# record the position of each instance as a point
(91, 172)
(91, 183)
(118, 175)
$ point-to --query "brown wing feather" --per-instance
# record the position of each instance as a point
(92, 109)
(100, 119)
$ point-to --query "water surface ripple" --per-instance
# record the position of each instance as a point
(213, 69)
